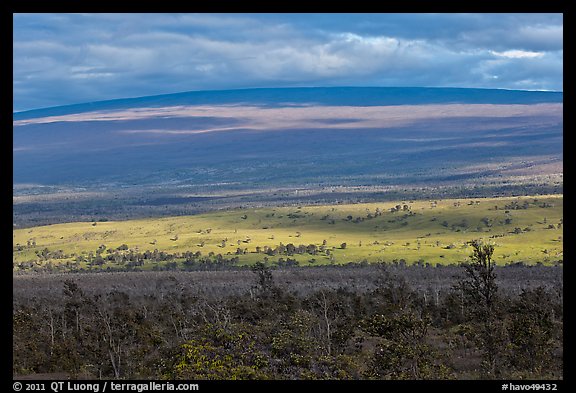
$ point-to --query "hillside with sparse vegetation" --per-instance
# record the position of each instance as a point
(526, 230)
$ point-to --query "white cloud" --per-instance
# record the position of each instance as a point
(518, 54)
(68, 58)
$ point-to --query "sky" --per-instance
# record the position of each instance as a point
(61, 59)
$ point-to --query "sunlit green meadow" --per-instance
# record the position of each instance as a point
(430, 231)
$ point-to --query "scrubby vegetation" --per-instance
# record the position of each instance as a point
(482, 321)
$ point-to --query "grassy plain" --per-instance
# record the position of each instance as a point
(524, 229)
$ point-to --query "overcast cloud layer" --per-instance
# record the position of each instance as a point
(63, 59)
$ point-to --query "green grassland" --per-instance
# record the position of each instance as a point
(524, 229)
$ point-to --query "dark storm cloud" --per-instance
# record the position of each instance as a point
(69, 58)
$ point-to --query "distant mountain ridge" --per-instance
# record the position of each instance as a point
(220, 149)
(329, 96)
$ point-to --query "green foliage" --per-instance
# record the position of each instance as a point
(403, 353)
(532, 331)
(293, 345)
(479, 284)
(220, 355)
(264, 280)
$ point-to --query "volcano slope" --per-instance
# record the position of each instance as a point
(198, 151)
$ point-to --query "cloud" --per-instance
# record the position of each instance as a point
(518, 54)
(522, 72)
(68, 58)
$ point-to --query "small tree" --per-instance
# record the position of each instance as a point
(480, 291)
(264, 280)
(532, 330)
(480, 279)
